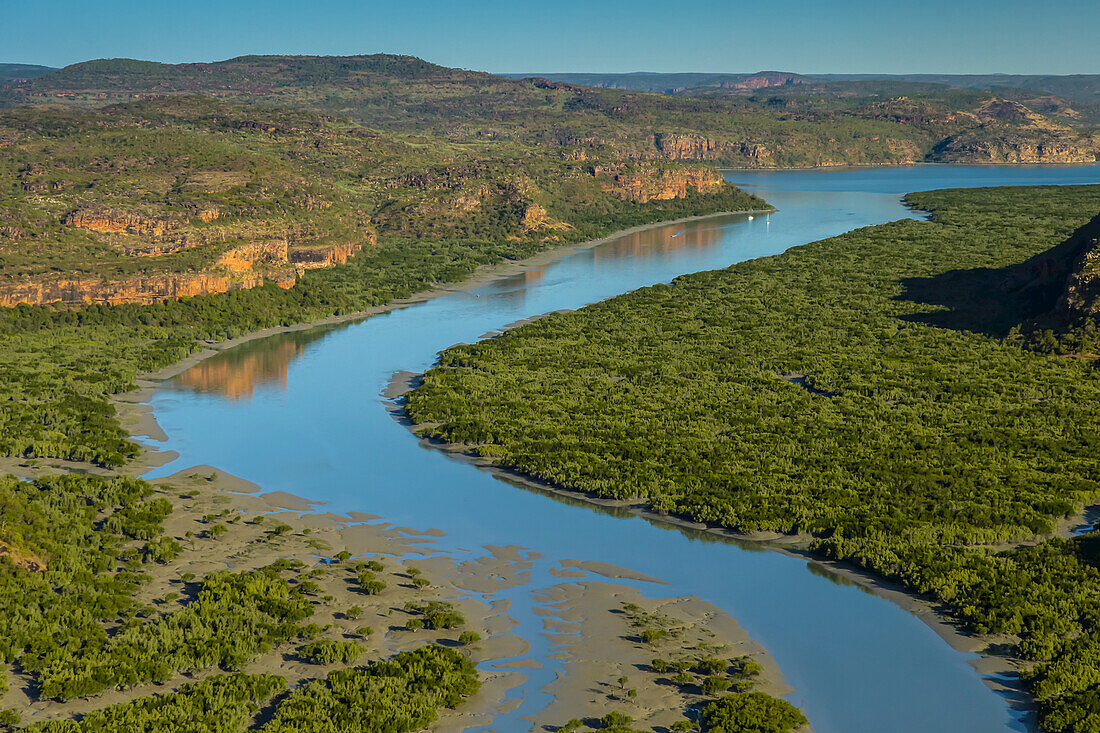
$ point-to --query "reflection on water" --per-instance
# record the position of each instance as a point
(511, 290)
(238, 373)
(619, 511)
(832, 576)
(667, 240)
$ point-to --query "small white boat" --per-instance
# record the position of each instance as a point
(751, 217)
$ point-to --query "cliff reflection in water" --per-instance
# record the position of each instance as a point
(668, 239)
(512, 289)
(262, 364)
(647, 246)
(239, 372)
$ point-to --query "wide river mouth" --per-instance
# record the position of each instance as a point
(303, 413)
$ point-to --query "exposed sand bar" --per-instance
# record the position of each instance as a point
(999, 672)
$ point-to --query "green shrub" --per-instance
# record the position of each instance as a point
(326, 651)
(751, 712)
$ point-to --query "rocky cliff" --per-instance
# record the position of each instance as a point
(684, 146)
(648, 183)
(115, 222)
(320, 256)
(245, 257)
(1012, 148)
(240, 268)
(1081, 298)
(128, 290)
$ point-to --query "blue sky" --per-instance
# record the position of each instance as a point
(842, 36)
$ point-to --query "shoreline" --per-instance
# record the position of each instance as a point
(998, 672)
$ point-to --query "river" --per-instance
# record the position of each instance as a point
(303, 413)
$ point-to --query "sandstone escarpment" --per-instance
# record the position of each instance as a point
(115, 222)
(310, 258)
(648, 184)
(968, 148)
(240, 268)
(116, 292)
(683, 146)
(245, 257)
(763, 81)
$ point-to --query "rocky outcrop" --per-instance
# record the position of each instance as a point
(684, 146)
(1081, 298)
(116, 292)
(1000, 110)
(536, 219)
(244, 258)
(969, 148)
(648, 184)
(1013, 133)
(763, 81)
(115, 222)
(310, 258)
(243, 267)
(209, 213)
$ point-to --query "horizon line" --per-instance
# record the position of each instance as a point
(559, 73)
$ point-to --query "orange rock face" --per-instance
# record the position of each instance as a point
(209, 214)
(310, 258)
(109, 222)
(243, 258)
(679, 146)
(648, 185)
(240, 268)
(116, 292)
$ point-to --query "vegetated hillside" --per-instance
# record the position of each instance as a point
(870, 390)
(871, 126)
(10, 72)
(191, 195)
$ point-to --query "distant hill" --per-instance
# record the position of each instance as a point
(9, 72)
(1075, 87)
(244, 72)
(643, 81)
(765, 119)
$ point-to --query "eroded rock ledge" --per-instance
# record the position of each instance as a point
(240, 268)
